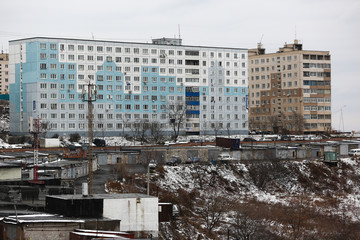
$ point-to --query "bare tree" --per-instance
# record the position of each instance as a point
(125, 122)
(243, 227)
(200, 174)
(228, 129)
(298, 123)
(213, 210)
(176, 113)
(274, 124)
(216, 126)
(140, 129)
(297, 215)
(4, 107)
(46, 126)
(156, 132)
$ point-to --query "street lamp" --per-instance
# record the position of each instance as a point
(91, 97)
(341, 122)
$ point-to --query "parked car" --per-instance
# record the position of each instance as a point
(225, 157)
(167, 143)
(152, 164)
(285, 138)
(192, 160)
(176, 211)
(266, 139)
(253, 132)
(173, 161)
(354, 152)
(196, 160)
(249, 140)
(99, 142)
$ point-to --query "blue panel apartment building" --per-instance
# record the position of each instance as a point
(134, 81)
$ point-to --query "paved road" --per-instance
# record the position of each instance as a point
(104, 173)
(99, 179)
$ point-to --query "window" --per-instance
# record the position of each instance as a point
(42, 65)
(53, 106)
(71, 67)
(52, 46)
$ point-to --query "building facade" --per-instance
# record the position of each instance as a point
(163, 82)
(290, 90)
(4, 73)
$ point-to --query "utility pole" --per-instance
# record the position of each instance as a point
(341, 119)
(35, 129)
(91, 97)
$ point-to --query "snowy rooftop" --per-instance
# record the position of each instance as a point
(102, 196)
(40, 218)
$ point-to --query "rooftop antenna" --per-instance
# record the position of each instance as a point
(261, 38)
(295, 33)
(92, 35)
(259, 43)
(179, 31)
(341, 122)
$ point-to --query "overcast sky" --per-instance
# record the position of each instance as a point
(331, 25)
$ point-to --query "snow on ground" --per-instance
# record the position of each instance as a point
(120, 141)
(185, 177)
(349, 161)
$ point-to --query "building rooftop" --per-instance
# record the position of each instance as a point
(108, 41)
(102, 196)
(42, 217)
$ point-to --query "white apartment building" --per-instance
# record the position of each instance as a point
(135, 83)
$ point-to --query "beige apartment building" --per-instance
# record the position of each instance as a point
(290, 90)
(4, 73)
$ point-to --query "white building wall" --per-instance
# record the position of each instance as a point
(10, 173)
(136, 214)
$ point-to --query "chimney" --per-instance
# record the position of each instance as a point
(85, 189)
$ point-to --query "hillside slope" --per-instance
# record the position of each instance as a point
(260, 200)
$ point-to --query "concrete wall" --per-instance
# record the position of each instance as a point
(73, 171)
(53, 231)
(10, 173)
(136, 214)
(40, 231)
(205, 154)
